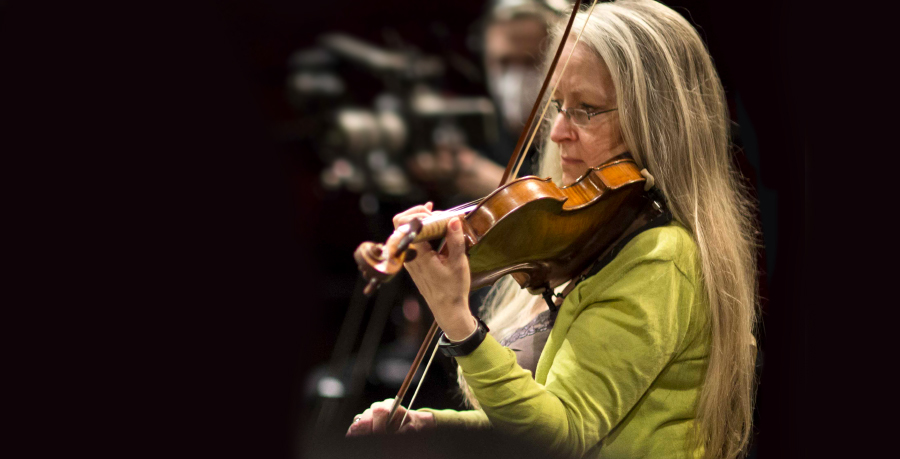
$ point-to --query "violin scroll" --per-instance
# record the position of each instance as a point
(379, 263)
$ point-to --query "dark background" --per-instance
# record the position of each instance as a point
(180, 271)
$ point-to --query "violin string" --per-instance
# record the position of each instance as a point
(448, 214)
(552, 92)
(418, 386)
(467, 204)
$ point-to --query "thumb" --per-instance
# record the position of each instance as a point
(456, 242)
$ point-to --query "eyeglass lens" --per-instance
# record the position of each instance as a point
(578, 116)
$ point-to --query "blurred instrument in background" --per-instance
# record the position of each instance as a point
(365, 140)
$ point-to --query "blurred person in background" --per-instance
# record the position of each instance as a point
(653, 355)
(513, 41)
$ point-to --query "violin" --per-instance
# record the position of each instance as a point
(540, 233)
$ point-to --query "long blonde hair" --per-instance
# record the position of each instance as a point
(674, 120)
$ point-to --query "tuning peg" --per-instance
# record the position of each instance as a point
(375, 251)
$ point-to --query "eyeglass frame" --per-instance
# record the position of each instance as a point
(568, 115)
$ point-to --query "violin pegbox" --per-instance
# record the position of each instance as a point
(379, 263)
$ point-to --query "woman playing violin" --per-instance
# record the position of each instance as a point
(652, 356)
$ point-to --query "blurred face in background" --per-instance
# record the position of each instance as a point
(513, 55)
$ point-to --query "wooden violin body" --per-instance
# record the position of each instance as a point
(531, 228)
(544, 234)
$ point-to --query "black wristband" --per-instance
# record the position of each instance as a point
(467, 346)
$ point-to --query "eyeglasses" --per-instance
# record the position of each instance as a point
(579, 116)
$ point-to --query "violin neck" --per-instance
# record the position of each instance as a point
(435, 227)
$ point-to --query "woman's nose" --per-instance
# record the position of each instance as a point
(562, 129)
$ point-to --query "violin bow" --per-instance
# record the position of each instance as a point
(519, 154)
(509, 174)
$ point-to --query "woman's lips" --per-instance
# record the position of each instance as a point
(569, 161)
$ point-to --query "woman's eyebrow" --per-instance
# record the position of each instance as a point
(591, 96)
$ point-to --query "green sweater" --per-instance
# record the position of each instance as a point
(622, 370)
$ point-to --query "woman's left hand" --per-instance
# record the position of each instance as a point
(443, 280)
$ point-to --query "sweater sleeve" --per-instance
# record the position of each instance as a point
(625, 328)
(469, 419)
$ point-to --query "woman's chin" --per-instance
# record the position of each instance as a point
(571, 174)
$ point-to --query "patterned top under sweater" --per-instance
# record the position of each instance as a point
(529, 341)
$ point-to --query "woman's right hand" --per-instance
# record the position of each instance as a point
(374, 420)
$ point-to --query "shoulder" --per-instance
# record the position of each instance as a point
(668, 243)
(651, 289)
(665, 251)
